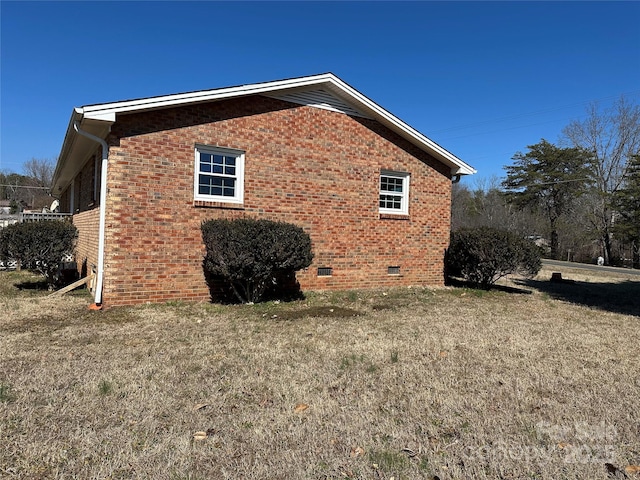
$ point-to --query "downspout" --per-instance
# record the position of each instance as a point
(456, 178)
(103, 216)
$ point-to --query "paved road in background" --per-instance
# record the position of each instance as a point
(587, 266)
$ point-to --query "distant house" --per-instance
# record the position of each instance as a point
(6, 217)
(5, 207)
(141, 175)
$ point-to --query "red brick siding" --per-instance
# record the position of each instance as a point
(87, 245)
(312, 167)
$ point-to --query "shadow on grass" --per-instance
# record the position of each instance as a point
(39, 285)
(622, 297)
(459, 283)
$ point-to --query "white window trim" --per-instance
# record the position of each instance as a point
(238, 198)
(404, 202)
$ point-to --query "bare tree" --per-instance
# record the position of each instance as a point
(461, 199)
(38, 174)
(484, 205)
(613, 137)
(40, 171)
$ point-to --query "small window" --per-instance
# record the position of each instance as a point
(395, 270)
(219, 175)
(394, 193)
(325, 271)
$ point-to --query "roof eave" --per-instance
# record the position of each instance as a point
(76, 148)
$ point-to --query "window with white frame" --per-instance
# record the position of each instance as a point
(394, 192)
(219, 174)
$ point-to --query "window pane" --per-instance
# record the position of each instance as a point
(391, 201)
(221, 164)
(391, 184)
(212, 185)
(395, 185)
(229, 187)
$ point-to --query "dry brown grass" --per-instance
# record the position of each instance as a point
(410, 383)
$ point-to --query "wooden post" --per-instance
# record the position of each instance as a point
(556, 277)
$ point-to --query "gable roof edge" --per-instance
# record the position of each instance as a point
(108, 111)
(105, 114)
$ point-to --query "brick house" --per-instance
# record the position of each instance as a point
(141, 175)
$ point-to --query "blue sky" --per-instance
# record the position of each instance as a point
(483, 79)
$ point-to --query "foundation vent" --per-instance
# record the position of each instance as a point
(395, 270)
(325, 271)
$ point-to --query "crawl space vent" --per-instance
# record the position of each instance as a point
(325, 271)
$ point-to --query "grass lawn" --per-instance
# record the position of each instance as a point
(411, 383)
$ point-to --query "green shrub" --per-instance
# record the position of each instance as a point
(39, 246)
(253, 255)
(483, 255)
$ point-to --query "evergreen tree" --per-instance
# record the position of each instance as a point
(547, 179)
(626, 202)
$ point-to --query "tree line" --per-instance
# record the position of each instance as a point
(580, 199)
(30, 189)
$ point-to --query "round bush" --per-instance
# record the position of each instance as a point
(483, 255)
(252, 255)
(39, 246)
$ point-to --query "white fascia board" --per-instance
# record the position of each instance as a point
(103, 110)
